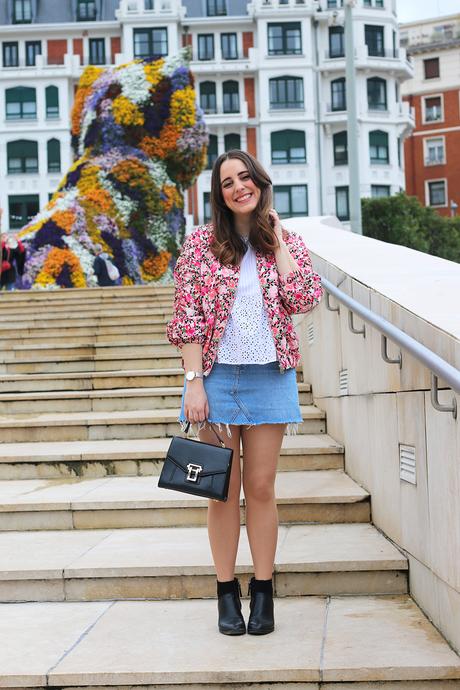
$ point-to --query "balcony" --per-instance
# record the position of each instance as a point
(266, 7)
(149, 9)
(387, 59)
(221, 118)
(438, 160)
(67, 65)
(219, 64)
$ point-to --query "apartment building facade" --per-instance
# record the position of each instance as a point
(270, 76)
(432, 151)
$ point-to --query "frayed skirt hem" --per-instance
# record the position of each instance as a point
(291, 429)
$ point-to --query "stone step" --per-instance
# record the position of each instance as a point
(176, 563)
(106, 400)
(332, 643)
(81, 363)
(74, 295)
(87, 381)
(96, 380)
(61, 352)
(49, 316)
(125, 424)
(28, 308)
(121, 322)
(50, 334)
(325, 496)
(142, 457)
(55, 338)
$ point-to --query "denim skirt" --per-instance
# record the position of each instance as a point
(250, 394)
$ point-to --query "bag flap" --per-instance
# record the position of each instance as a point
(184, 450)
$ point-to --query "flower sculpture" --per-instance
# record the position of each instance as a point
(140, 140)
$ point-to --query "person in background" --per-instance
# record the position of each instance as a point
(13, 260)
(106, 272)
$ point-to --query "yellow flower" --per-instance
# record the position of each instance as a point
(183, 107)
(89, 76)
(153, 72)
(125, 112)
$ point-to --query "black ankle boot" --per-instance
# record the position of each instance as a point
(231, 621)
(261, 619)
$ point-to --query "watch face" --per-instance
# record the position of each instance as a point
(190, 375)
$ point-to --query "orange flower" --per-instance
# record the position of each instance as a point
(153, 267)
(65, 219)
(160, 147)
(54, 264)
(77, 109)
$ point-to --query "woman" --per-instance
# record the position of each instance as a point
(237, 282)
(13, 256)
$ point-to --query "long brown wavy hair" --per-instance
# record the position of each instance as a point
(226, 245)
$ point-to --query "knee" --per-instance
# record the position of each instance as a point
(261, 490)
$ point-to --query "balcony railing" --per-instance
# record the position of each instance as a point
(439, 160)
(279, 4)
(148, 7)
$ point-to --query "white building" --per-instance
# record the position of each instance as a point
(270, 75)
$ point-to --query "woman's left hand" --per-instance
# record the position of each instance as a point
(276, 224)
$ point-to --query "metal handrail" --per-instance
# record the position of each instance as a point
(436, 364)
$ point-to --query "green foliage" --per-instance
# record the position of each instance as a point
(401, 219)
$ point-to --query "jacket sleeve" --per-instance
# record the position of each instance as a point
(188, 322)
(300, 291)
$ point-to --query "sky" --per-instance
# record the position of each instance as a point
(412, 10)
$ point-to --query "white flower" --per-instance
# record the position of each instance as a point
(134, 84)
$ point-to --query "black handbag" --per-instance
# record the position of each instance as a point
(198, 468)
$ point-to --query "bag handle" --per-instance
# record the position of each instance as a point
(187, 427)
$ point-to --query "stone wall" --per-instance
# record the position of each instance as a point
(386, 406)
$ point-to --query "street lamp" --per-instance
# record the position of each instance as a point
(352, 122)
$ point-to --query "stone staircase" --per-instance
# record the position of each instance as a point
(106, 580)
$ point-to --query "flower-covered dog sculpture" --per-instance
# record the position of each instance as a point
(141, 140)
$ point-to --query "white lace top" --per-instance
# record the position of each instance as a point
(247, 338)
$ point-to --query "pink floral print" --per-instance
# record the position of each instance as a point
(205, 291)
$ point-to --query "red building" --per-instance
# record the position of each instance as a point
(432, 151)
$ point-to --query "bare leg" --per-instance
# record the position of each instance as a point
(261, 449)
(224, 518)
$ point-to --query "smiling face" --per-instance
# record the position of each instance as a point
(239, 192)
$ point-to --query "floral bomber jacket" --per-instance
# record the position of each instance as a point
(205, 291)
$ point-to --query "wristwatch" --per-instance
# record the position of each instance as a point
(190, 375)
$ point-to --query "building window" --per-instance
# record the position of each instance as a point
(284, 39)
(150, 43)
(97, 51)
(229, 47)
(22, 11)
(336, 42)
(232, 141)
(206, 207)
(52, 102)
(212, 151)
(378, 191)
(208, 101)
(22, 209)
(286, 92)
(431, 68)
(378, 147)
(231, 97)
(86, 10)
(11, 54)
(340, 143)
(53, 148)
(374, 39)
(216, 8)
(338, 95)
(399, 152)
(373, 3)
(433, 109)
(342, 205)
(291, 200)
(33, 48)
(205, 46)
(288, 146)
(437, 193)
(21, 103)
(333, 4)
(377, 93)
(22, 157)
(434, 151)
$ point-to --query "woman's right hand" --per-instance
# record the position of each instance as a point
(196, 408)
